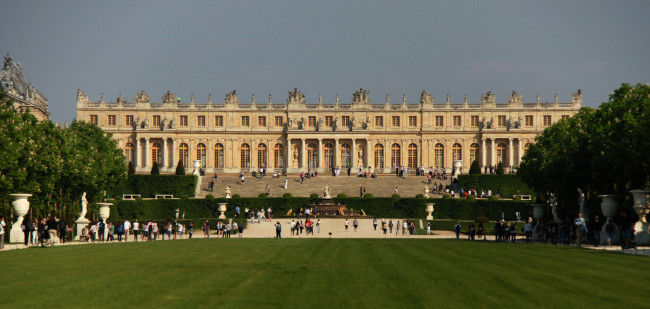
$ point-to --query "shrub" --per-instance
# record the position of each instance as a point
(446, 196)
(341, 195)
(500, 170)
(236, 196)
(314, 196)
(506, 184)
(209, 197)
(475, 169)
(368, 195)
(286, 195)
(150, 185)
(481, 219)
(395, 196)
(180, 169)
(155, 170)
(517, 198)
(131, 169)
(419, 196)
(493, 198)
(262, 195)
(471, 197)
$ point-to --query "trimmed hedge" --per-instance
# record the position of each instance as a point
(507, 185)
(380, 207)
(150, 185)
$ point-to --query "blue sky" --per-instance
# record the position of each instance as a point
(327, 47)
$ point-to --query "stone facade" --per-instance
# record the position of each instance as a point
(295, 135)
(22, 94)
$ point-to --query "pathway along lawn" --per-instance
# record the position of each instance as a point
(320, 273)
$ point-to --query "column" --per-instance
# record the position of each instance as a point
(173, 152)
(146, 153)
(520, 153)
(234, 154)
(368, 149)
(493, 152)
(289, 158)
(303, 163)
(138, 153)
(483, 155)
(353, 155)
(320, 154)
(336, 152)
(510, 153)
(165, 150)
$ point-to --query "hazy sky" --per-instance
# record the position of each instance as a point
(328, 47)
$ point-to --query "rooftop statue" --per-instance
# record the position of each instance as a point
(576, 98)
(361, 96)
(81, 96)
(488, 98)
(231, 98)
(426, 98)
(142, 97)
(515, 97)
(296, 96)
(169, 97)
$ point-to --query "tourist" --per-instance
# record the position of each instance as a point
(390, 226)
(513, 231)
(240, 229)
(361, 191)
(302, 177)
(190, 227)
(270, 212)
(384, 226)
(302, 226)
(293, 226)
(397, 226)
(267, 191)
(374, 223)
(404, 227)
(457, 229)
(346, 224)
(63, 230)
(307, 212)
(318, 225)
(396, 191)
(472, 231)
(528, 231)
(594, 228)
(111, 232)
(252, 217)
(136, 229)
(2, 232)
(26, 226)
(278, 230)
(120, 231)
(84, 235)
(155, 231)
(610, 228)
(580, 226)
(241, 183)
(101, 229)
(286, 183)
(355, 223)
(260, 214)
(428, 227)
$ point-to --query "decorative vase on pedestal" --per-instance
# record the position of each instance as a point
(457, 165)
(197, 164)
(21, 207)
(222, 210)
(429, 210)
(104, 211)
(608, 206)
(641, 208)
(538, 214)
(199, 179)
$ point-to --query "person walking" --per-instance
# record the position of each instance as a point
(346, 225)
(318, 225)
(27, 227)
(278, 230)
(2, 232)
(397, 226)
(136, 229)
(63, 230)
(127, 229)
(457, 229)
(374, 223)
(355, 223)
(429, 228)
(286, 183)
(581, 228)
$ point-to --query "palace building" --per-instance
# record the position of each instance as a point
(293, 136)
(22, 94)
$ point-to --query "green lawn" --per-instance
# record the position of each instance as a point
(321, 273)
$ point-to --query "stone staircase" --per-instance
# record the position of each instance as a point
(382, 186)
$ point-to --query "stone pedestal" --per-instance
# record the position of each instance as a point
(429, 210)
(641, 208)
(609, 206)
(81, 223)
(538, 214)
(222, 210)
(20, 206)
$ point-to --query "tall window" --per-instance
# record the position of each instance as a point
(395, 155)
(183, 154)
(379, 121)
(413, 156)
(328, 156)
(93, 119)
(345, 121)
(501, 153)
(345, 155)
(245, 156)
(379, 156)
(456, 152)
(279, 121)
(526, 146)
(312, 155)
(457, 121)
(129, 153)
(156, 153)
(128, 120)
(111, 120)
(395, 121)
(474, 121)
(244, 121)
(218, 156)
(501, 120)
(547, 120)
(218, 121)
(529, 120)
(182, 121)
(440, 121)
(311, 121)
(474, 152)
(261, 155)
(328, 121)
(439, 155)
(565, 117)
(155, 120)
(201, 154)
(413, 121)
(261, 121)
(200, 121)
(278, 155)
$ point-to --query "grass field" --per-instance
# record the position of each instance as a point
(321, 273)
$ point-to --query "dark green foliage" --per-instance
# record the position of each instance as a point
(209, 197)
(180, 169)
(314, 196)
(341, 195)
(150, 185)
(493, 198)
(368, 195)
(419, 195)
(507, 185)
(262, 195)
(236, 196)
(286, 195)
(475, 169)
(131, 169)
(500, 170)
(395, 196)
(155, 170)
(481, 219)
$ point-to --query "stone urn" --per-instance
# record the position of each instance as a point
(608, 206)
(538, 213)
(196, 165)
(104, 211)
(20, 206)
(222, 210)
(457, 165)
(641, 208)
(429, 210)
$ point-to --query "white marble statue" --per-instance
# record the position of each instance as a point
(426, 191)
(84, 206)
(228, 192)
(553, 202)
(326, 193)
(583, 205)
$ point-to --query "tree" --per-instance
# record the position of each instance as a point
(180, 170)
(154, 169)
(475, 168)
(500, 170)
(131, 169)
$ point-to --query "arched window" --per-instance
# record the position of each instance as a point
(312, 155)
(218, 156)
(261, 155)
(245, 156)
(345, 155)
(328, 153)
(156, 154)
(526, 146)
(200, 154)
(439, 155)
(379, 156)
(413, 156)
(183, 154)
(456, 152)
(501, 152)
(278, 155)
(474, 152)
(129, 153)
(395, 155)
